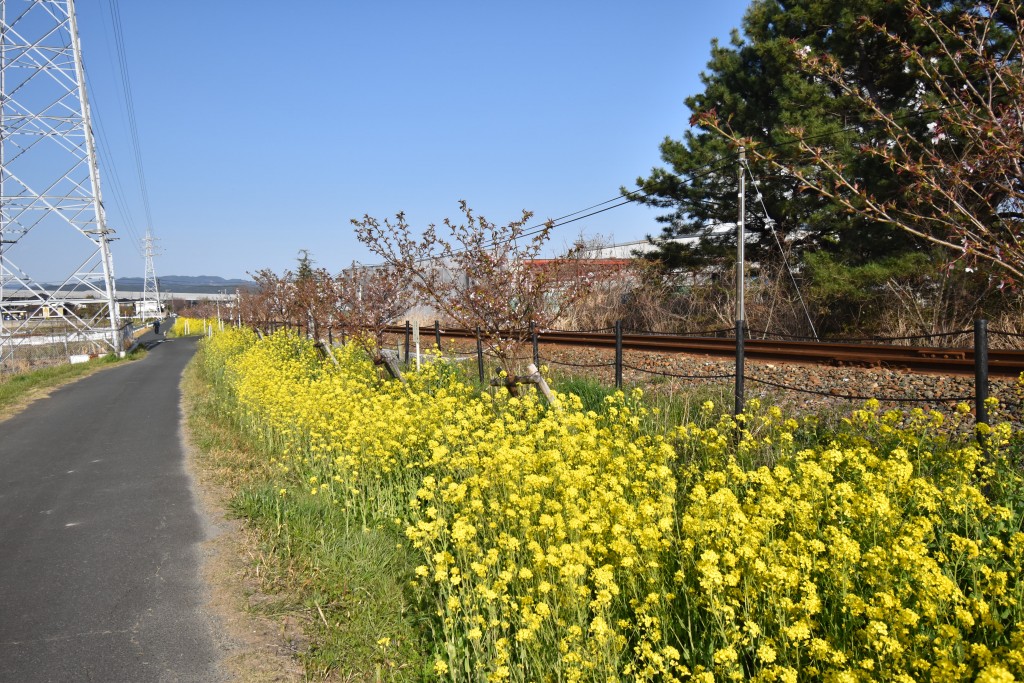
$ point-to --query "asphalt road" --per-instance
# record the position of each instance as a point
(99, 534)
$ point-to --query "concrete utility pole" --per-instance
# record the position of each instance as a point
(51, 208)
(741, 322)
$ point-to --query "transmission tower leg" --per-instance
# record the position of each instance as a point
(50, 188)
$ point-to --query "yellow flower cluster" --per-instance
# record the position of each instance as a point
(572, 544)
(876, 556)
(185, 326)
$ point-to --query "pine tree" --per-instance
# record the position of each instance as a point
(756, 87)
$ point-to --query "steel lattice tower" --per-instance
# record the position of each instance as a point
(51, 211)
(150, 288)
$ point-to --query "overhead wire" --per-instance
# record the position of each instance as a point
(707, 169)
(122, 60)
(111, 177)
(785, 259)
(107, 159)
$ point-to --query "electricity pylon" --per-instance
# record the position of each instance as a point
(56, 270)
(150, 288)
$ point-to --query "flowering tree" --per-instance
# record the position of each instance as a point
(480, 275)
(314, 302)
(955, 149)
(370, 299)
(269, 304)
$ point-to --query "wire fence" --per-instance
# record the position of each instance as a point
(552, 361)
(856, 397)
(665, 373)
(979, 336)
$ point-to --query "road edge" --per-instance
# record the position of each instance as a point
(250, 648)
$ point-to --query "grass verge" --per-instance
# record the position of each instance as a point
(343, 583)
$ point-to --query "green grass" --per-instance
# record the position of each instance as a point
(14, 388)
(347, 578)
(344, 580)
(670, 405)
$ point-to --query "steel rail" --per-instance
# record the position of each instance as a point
(926, 359)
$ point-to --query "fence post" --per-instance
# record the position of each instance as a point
(980, 371)
(408, 334)
(480, 354)
(618, 354)
(437, 334)
(740, 333)
(536, 349)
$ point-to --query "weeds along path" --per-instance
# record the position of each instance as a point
(599, 538)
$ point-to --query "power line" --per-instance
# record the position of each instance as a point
(706, 170)
(782, 252)
(111, 176)
(126, 83)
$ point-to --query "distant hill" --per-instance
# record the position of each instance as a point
(198, 284)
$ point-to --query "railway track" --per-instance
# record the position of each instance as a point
(928, 359)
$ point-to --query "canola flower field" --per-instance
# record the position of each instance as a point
(571, 544)
(193, 327)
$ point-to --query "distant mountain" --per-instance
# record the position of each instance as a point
(198, 284)
(186, 284)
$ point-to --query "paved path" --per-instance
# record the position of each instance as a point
(98, 533)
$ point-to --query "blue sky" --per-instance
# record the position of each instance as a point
(266, 126)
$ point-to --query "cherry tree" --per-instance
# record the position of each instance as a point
(370, 299)
(481, 275)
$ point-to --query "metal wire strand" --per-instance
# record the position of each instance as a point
(577, 365)
(677, 376)
(849, 397)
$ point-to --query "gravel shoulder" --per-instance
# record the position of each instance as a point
(252, 648)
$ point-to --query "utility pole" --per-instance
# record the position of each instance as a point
(741, 322)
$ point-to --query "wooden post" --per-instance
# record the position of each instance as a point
(437, 334)
(536, 348)
(534, 377)
(390, 364)
(618, 354)
(980, 371)
(480, 355)
(327, 351)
